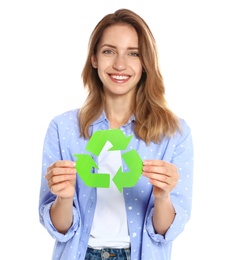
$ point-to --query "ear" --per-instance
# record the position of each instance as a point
(94, 61)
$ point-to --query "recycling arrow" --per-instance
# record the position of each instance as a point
(129, 179)
(117, 138)
(84, 165)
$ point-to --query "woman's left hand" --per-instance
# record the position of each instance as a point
(162, 175)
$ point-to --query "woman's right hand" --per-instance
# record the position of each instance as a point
(61, 177)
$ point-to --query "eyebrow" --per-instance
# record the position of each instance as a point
(114, 47)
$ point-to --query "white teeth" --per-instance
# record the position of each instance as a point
(119, 77)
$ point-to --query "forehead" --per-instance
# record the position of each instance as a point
(119, 34)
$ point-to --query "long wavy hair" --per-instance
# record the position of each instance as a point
(154, 119)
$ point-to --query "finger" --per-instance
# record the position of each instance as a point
(62, 171)
(62, 164)
(155, 169)
(154, 162)
(61, 178)
(64, 174)
(161, 185)
(59, 168)
(59, 187)
(158, 177)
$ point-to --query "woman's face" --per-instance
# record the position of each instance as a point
(117, 60)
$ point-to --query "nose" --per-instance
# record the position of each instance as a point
(119, 63)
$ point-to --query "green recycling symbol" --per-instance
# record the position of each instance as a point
(119, 141)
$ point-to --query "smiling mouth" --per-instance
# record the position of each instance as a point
(119, 78)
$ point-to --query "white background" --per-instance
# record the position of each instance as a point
(43, 47)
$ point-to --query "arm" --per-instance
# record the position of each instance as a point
(164, 177)
(172, 179)
(61, 177)
(178, 156)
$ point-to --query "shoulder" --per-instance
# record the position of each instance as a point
(185, 133)
(65, 120)
(67, 115)
(184, 124)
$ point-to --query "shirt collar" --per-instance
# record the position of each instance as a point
(103, 118)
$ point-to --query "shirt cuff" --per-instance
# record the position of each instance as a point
(53, 231)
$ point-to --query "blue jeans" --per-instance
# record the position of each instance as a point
(108, 254)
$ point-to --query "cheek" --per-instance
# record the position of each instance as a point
(103, 65)
(138, 70)
(101, 70)
(137, 67)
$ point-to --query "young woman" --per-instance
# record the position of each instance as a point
(125, 92)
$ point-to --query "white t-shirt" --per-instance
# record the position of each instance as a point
(110, 223)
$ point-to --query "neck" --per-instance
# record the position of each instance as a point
(118, 111)
(118, 117)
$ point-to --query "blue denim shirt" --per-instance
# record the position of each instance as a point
(62, 140)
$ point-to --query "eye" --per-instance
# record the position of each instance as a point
(107, 51)
(134, 54)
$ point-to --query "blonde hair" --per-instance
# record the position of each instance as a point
(154, 119)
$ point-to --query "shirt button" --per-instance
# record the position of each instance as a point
(105, 255)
